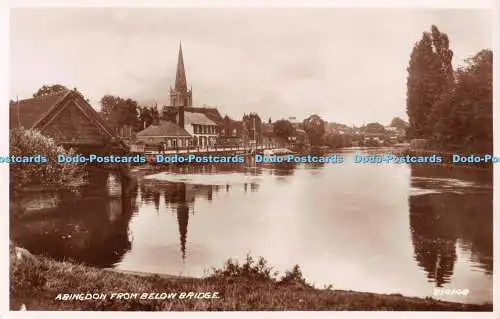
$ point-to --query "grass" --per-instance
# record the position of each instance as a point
(252, 285)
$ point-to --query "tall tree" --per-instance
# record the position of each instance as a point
(430, 74)
(315, 128)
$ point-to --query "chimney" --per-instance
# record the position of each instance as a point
(181, 117)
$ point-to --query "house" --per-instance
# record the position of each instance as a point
(68, 118)
(270, 139)
(232, 133)
(203, 130)
(164, 135)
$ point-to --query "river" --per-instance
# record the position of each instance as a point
(378, 228)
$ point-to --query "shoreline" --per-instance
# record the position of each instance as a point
(36, 282)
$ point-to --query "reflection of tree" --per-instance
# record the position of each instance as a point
(437, 220)
(433, 239)
(92, 230)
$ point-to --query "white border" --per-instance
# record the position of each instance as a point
(4, 172)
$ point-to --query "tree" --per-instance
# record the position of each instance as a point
(283, 128)
(471, 118)
(119, 112)
(430, 74)
(399, 123)
(314, 126)
(374, 128)
(50, 89)
(253, 123)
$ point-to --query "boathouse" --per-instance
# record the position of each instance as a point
(69, 119)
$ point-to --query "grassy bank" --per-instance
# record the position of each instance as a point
(36, 281)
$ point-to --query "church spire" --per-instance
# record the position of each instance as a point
(180, 76)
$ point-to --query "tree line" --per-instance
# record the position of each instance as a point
(451, 108)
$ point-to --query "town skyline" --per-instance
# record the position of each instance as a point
(291, 79)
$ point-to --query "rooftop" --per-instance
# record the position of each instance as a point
(164, 128)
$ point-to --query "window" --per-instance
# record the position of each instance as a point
(234, 132)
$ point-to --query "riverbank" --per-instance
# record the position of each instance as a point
(35, 282)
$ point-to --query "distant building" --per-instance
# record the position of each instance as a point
(162, 136)
(203, 123)
(232, 133)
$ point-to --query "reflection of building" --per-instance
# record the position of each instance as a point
(92, 230)
(179, 198)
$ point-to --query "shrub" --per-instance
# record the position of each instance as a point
(51, 173)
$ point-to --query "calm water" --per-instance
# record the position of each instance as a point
(377, 228)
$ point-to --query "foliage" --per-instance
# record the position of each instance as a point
(374, 128)
(148, 116)
(253, 123)
(283, 128)
(250, 269)
(429, 75)
(399, 123)
(453, 109)
(336, 140)
(119, 112)
(36, 281)
(315, 128)
(50, 174)
(50, 89)
(470, 118)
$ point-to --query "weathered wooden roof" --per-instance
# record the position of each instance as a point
(35, 112)
(164, 128)
(26, 113)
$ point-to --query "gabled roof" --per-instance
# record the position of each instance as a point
(35, 113)
(211, 112)
(197, 118)
(26, 113)
(164, 128)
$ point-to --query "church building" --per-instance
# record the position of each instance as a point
(202, 123)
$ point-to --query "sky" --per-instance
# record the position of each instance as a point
(346, 65)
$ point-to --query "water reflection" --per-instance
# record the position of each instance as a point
(441, 220)
(428, 227)
(92, 230)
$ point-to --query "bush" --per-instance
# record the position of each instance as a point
(259, 271)
(49, 174)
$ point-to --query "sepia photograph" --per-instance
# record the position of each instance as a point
(250, 159)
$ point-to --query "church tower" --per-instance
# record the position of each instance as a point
(180, 96)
